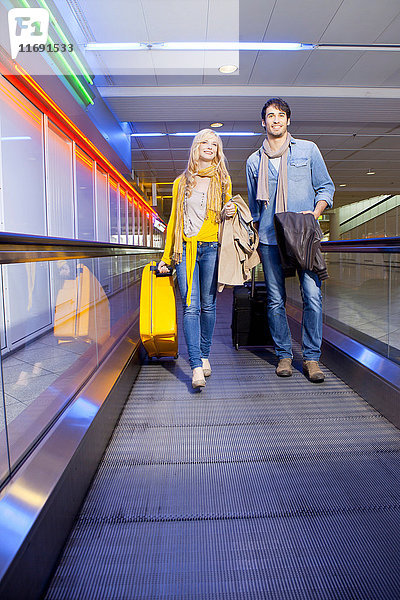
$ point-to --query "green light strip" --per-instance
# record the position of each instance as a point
(66, 41)
(81, 90)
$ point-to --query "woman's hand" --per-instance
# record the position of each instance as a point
(230, 208)
(163, 267)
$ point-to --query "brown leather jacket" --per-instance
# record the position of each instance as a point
(238, 246)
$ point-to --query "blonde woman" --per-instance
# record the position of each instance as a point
(192, 244)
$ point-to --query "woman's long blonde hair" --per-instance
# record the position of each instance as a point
(193, 163)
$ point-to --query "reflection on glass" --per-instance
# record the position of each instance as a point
(82, 309)
(61, 320)
(361, 299)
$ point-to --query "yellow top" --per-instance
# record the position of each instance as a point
(207, 233)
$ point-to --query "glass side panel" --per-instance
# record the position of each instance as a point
(114, 237)
(361, 299)
(130, 219)
(55, 345)
(123, 215)
(84, 195)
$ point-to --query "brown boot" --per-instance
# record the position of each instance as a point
(312, 371)
(284, 368)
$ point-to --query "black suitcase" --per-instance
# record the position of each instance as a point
(249, 315)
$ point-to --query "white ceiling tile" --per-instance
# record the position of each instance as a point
(391, 35)
(304, 21)
(372, 69)
(360, 21)
(326, 67)
(254, 18)
(277, 68)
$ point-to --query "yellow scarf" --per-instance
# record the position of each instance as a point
(209, 229)
(214, 205)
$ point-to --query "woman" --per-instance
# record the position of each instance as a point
(192, 244)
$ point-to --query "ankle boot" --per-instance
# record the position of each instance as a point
(312, 371)
(206, 367)
(198, 380)
(284, 368)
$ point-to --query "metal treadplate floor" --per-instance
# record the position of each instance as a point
(255, 488)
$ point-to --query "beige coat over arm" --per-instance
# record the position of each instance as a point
(238, 240)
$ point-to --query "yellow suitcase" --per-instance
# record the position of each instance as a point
(157, 322)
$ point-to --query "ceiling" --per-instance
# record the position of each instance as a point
(347, 101)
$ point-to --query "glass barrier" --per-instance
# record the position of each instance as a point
(361, 298)
(60, 318)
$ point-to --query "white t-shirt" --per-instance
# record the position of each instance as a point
(276, 162)
(195, 213)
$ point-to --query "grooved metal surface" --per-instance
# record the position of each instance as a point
(255, 488)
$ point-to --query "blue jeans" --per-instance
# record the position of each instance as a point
(310, 286)
(199, 317)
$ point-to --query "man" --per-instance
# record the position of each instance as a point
(288, 174)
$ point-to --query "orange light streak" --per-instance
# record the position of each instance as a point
(18, 101)
(96, 154)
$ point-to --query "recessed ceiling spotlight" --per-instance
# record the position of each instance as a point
(228, 69)
(216, 124)
(370, 172)
(342, 184)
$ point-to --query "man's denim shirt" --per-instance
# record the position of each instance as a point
(308, 183)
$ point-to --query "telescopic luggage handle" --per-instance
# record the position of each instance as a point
(158, 274)
(253, 283)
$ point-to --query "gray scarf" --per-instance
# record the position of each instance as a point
(262, 184)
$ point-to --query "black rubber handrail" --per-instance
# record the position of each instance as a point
(370, 245)
(38, 240)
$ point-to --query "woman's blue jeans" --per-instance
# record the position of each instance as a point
(310, 286)
(199, 317)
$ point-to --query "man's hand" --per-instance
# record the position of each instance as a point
(230, 208)
(318, 210)
(162, 267)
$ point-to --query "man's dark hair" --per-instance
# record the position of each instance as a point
(278, 103)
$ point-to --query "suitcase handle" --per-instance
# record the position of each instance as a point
(253, 283)
(158, 274)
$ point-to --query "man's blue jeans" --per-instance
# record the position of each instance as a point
(311, 326)
(199, 317)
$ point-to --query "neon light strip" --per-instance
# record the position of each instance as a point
(83, 158)
(67, 124)
(66, 41)
(81, 90)
(17, 101)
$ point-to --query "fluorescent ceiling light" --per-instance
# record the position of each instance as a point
(342, 184)
(147, 134)
(221, 133)
(238, 133)
(197, 46)
(14, 138)
(370, 172)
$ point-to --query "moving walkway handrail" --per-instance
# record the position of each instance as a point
(15, 248)
(370, 245)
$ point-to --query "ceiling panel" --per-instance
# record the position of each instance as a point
(305, 21)
(326, 67)
(374, 67)
(360, 21)
(391, 35)
(277, 68)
